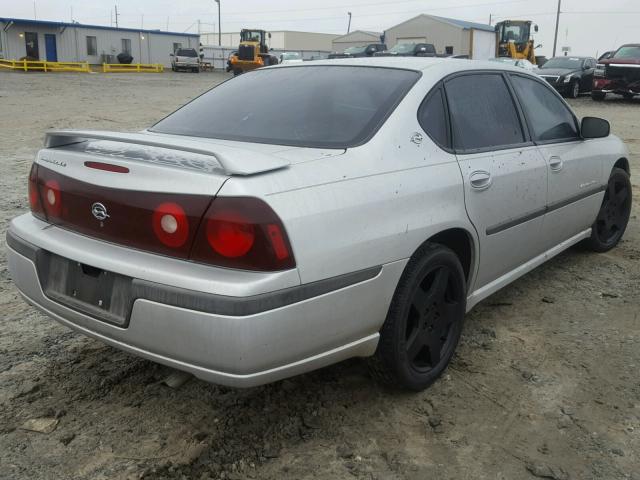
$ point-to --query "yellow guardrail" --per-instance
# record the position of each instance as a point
(45, 66)
(133, 67)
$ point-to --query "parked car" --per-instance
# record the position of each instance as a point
(571, 76)
(186, 59)
(409, 50)
(516, 62)
(620, 73)
(245, 242)
(360, 51)
(606, 55)
(290, 58)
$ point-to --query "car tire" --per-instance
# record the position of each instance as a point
(613, 216)
(426, 314)
(598, 96)
(237, 72)
(628, 96)
(574, 91)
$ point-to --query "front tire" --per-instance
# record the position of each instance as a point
(424, 322)
(598, 96)
(614, 213)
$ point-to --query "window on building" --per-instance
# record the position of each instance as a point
(176, 46)
(126, 45)
(92, 46)
(483, 114)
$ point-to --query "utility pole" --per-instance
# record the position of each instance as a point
(198, 26)
(219, 25)
(349, 26)
(35, 17)
(117, 15)
(555, 38)
(490, 18)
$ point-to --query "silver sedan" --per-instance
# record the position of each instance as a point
(298, 216)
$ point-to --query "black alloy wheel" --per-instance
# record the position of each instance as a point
(614, 213)
(424, 322)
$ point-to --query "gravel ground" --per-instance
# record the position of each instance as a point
(545, 382)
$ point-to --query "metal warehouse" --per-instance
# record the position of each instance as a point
(455, 37)
(355, 39)
(75, 42)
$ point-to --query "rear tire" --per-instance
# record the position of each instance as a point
(424, 322)
(614, 213)
(574, 91)
(628, 96)
(598, 96)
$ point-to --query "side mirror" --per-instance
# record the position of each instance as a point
(538, 46)
(593, 127)
(171, 55)
(535, 28)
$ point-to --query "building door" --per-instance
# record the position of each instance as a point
(31, 42)
(51, 47)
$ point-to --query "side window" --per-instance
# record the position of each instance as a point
(549, 118)
(482, 111)
(92, 46)
(433, 119)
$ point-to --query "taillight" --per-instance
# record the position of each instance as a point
(34, 194)
(171, 225)
(52, 198)
(244, 233)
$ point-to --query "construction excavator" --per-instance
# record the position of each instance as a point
(515, 40)
(253, 52)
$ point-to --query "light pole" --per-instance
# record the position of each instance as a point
(555, 38)
(219, 25)
(349, 26)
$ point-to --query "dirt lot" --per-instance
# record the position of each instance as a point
(545, 382)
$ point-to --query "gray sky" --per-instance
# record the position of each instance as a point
(588, 26)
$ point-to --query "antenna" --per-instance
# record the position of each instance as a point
(117, 15)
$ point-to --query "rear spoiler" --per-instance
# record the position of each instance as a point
(232, 160)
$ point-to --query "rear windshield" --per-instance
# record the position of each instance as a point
(314, 106)
(186, 52)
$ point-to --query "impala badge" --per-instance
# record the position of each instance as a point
(99, 211)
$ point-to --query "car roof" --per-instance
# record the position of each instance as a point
(436, 66)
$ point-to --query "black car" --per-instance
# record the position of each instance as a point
(409, 50)
(571, 76)
(360, 51)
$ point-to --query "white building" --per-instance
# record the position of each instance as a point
(282, 40)
(356, 38)
(75, 42)
(455, 37)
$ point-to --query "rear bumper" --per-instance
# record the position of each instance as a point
(269, 337)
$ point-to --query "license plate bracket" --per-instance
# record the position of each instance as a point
(87, 289)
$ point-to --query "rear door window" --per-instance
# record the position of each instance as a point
(550, 120)
(483, 114)
(433, 118)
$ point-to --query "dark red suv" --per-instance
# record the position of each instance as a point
(619, 73)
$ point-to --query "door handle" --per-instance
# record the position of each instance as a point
(480, 180)
(555, 164)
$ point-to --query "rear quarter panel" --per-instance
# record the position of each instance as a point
(373, 205)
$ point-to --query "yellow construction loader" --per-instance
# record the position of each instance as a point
(515, 40)
(252, 53)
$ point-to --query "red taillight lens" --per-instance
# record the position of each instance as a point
(171, 225)
(245, 233)
(230, 235)
(52, 198)
(34, 194)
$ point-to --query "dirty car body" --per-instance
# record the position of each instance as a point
(249, 246)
